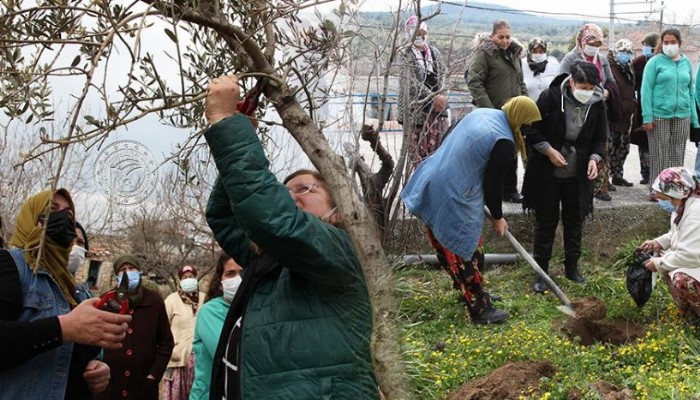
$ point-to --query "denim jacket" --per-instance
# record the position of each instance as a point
(44, 376)
(446, 192)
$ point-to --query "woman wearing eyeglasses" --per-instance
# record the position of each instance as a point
(566, 147)
(300, 324)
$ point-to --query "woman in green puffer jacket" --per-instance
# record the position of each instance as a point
(300, 324)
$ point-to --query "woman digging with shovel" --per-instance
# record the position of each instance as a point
(449, 189)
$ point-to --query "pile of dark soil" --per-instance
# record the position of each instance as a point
(507, 382)
(591, 324)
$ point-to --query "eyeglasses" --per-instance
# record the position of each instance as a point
(302, 188)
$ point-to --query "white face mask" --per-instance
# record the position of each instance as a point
(583, 95)
(670, 50)
(188, 285)
(419, 42)
(538, 58)
(76, 258)
(590, 51)
(231, 287)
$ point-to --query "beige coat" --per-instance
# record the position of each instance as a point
(182, 326)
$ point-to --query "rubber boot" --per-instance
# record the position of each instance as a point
(571, 271)
(484, 313)
(540, 285)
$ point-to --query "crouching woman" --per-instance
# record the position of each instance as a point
(677, 252)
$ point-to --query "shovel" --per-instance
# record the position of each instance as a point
(566, 304)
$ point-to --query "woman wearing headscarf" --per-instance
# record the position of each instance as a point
(52, 336)
(138, 367)
(496, 76)
(638, 136)
(620, 59)
(677, 252)
(568, 143)
(422, 104)
(668, 103)
(448, 191)
(589, 39)
(541, 68)
(182, 307)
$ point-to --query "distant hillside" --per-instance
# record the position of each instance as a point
(482, 15)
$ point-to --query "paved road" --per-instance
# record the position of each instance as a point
(623, 196)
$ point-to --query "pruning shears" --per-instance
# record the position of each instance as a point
(251, 100)
(116, 299)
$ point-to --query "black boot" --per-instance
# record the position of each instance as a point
(571, 271)
(540, 285)
(484, 313)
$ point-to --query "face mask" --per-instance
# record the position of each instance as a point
(134, 279)
(647, 51)
(623, 58)
(583, 95)
(231, 286)
(61, 228)
(590, 51)
(419, 42)
(188, 285)
(670, 50)
(667, 206)
(538, 58)
(76, 258)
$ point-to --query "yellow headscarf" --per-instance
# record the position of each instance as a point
(521, 110)
(54, 258)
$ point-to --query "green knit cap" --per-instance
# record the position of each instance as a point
(651, 39)
(126, 259)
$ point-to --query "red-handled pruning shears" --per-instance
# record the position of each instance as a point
(116, 299)
(250, 102)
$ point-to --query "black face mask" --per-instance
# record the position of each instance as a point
(61, 228)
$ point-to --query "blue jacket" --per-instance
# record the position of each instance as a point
(667, 89)
(44, 376)
(446, 192)
(210, 320)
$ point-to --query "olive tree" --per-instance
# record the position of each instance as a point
(118, 62)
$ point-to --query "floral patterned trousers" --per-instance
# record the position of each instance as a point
(686, 293)
(466, 277)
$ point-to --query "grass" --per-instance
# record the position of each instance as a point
(444, 350)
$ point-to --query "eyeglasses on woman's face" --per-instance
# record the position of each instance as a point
(301, 189)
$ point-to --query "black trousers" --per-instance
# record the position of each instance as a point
(562, 191)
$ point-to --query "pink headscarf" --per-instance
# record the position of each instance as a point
(410, 26)
(587, 33)
(679, 183)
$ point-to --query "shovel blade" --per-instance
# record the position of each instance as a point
(568, 310)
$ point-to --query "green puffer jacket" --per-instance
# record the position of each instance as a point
(495, 75)
(305, 331)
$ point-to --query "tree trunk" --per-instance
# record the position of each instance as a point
(388, 362)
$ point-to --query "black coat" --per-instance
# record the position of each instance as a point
(626, 100)
(638, 136)
(146, 350)
(552, 128)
